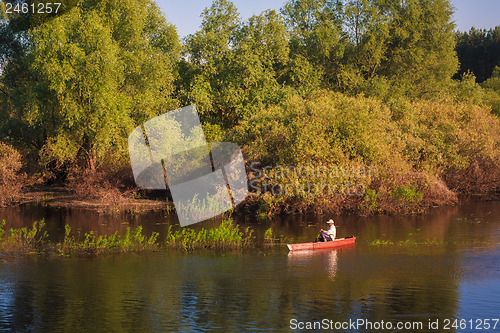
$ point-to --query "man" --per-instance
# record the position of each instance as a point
(329, 234)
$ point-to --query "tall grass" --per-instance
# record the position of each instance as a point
(133, 240)
(23, 240)
(227, 236)
(427, 242)
(224, 237)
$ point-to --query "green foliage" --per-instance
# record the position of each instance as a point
(381, 242)
(407, 193)
(268, 235)
(478, 51)
(23, 240)
(35, 240)
(407, 243)
(411, 143)
(371, 197)
(10, 164)
(427, 242)
(326, 129)
(453, 134)
(213, 132)
(83, 80)
(420, 56)
(352, 44)
(132, 240)
(315, 41)
(467, 90)
(492, 91)
(263, 210)
(273, 239)
(226, 236)
(236, 69)
(233, 68)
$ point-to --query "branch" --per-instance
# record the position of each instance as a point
(6, 93)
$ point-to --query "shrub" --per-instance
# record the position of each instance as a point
(132, 241)
(408, 193)
(225, 236)
(104, 184)
(11, 180)
(414, 144)
(23, 240)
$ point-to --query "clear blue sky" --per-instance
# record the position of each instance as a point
(186, 14)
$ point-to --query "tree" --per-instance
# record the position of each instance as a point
(367, 24)
(83, 80)
(234, 69)
(351, 43)
(207, 59)
(492, 90)
(478, 52)
(317, 41)
(420, 53)
(261, 56)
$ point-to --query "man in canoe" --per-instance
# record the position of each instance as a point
(329, 234)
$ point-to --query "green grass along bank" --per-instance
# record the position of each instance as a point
(35, 240)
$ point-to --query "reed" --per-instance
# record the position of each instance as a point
(380, 242)
(132, 241)
(224, 237)
(408, 242)
(428, 242)
(271, 238)
(23, 240)
(35, 240)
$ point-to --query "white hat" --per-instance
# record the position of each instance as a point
(331, 221)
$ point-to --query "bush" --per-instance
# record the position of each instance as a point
(97, 184)
(414, 144)
(408, 193)
(492, 91)
(11, 180)
(23, 240)
(327, 128)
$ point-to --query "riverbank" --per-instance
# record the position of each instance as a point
(62, 197)
(257, 204)
(326, 153)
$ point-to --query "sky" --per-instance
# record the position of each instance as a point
(185, 15)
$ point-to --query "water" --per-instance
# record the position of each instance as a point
(452, 273)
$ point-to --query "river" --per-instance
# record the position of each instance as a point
(441, 271)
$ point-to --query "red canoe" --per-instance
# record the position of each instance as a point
(322, 245)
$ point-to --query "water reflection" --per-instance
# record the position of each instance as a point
(469, 223)
(461, 223)
(84, 220)
(264, 290)
(312, 259)
(235, 292)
